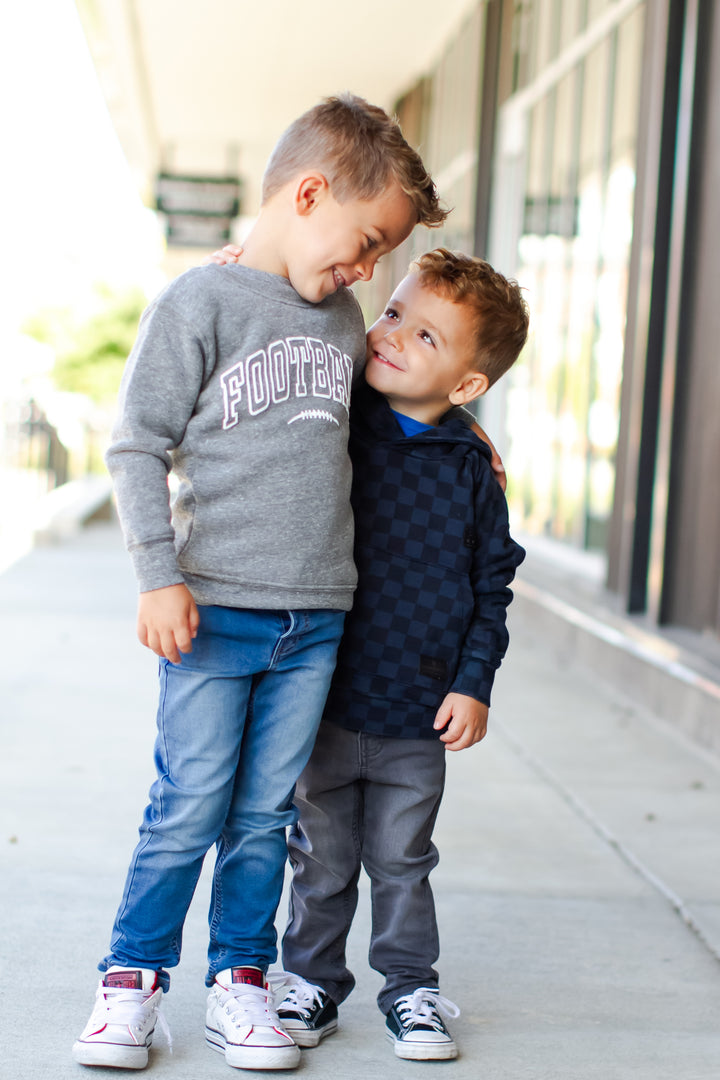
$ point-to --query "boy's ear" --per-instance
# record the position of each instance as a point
(309, 191)
(473, 385)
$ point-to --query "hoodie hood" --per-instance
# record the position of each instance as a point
(372, 417)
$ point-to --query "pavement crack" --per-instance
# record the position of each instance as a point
(582, 811)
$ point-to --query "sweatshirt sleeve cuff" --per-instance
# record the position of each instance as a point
(156, 566)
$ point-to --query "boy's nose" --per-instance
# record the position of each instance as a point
(364, 268)
(394, 337)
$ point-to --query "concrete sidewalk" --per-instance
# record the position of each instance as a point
(578, 889)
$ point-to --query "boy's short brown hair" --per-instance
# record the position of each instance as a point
(360, 149)
(502, 317)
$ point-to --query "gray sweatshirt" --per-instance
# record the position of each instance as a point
(240, 388)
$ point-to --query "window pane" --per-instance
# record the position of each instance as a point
(574, 250)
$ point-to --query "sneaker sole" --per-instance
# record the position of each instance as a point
(253, 1057)
(423, 1051)
(110, 1055)
(307, 1038)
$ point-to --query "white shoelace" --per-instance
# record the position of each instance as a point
(128, 1007)
(423, 1007)
(246, 1004)
(297, 993)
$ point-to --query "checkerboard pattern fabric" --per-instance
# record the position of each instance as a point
(435, 559)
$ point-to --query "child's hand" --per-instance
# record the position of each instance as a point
(467, 718)
(168, 621)
(497, 466)
(229, 254)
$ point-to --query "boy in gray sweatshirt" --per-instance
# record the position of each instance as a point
(239, 385)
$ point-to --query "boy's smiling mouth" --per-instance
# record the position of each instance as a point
(384, 360)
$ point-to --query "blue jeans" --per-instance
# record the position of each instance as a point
(372, 801)
(236, 723)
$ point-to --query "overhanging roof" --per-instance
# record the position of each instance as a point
(206, 86)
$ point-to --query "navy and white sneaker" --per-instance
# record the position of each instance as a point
(415, 1026)
(306, 1012)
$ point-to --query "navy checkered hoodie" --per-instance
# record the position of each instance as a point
(435, 559)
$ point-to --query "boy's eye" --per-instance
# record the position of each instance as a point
(370, 243)
(426, 337)
(391, 313)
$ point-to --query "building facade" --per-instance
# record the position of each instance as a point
(578, 142)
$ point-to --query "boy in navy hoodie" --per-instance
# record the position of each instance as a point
(418, 655)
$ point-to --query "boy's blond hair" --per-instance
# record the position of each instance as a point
(359, 149)
(501, 314)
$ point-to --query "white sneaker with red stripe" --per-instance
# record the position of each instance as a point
(243, 1025)
(120, 1030)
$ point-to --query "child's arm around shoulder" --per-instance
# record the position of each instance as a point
(496, 462)
(232, 252)
(497, 466)
(466, 720)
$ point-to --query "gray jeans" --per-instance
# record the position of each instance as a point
(365, 800)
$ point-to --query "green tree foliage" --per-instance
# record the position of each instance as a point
(91, 350)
